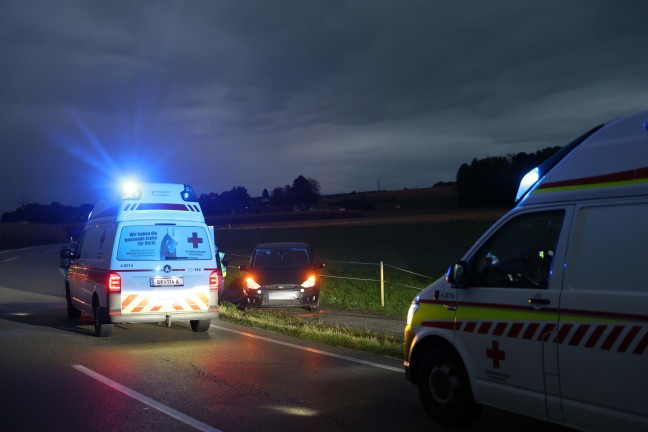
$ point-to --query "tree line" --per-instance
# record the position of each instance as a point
(303, 193)
(492, 181)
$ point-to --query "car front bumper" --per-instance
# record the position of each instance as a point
(264, 297)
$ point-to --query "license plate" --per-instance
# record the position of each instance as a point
(282, 295)
(167, 281)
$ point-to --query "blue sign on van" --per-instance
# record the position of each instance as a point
(154, 242)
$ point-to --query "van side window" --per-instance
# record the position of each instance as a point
(610, 246)
(519, 254)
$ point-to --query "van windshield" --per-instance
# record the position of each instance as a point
(163, 243)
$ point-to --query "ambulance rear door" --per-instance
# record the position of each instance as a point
(604, 313)
(506, 318)
(164, 267)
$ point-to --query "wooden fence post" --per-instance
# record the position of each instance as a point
(382, 285)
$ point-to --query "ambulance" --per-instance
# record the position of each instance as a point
(145, 256)
(546, 315)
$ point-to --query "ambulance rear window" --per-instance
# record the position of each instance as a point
(163, 243)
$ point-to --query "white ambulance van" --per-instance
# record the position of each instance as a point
(146, 256)
(546, 315)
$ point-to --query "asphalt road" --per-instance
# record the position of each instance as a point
(55, 375)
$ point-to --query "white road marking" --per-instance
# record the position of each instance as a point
(313, 350)
(12, 250)
(146, 400)
(11, 259)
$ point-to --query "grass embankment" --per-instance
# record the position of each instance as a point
(283, 322)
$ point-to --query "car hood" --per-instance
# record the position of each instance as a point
(281, 276)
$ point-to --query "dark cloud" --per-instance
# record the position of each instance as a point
(255, 93)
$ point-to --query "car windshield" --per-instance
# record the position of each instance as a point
(280, 258)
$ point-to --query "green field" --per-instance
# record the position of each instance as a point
(353, 252)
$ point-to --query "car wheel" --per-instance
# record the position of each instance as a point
(314, 308)
(101, 327)
(72, 312)
(200, 325)
(444, 388)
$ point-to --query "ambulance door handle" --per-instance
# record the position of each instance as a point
(450, 307)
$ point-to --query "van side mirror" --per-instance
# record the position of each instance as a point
(320, 265)
(457, 276)
(243, 268)
(65, 255)
(225, 262)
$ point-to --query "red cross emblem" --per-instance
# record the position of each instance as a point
(495, 354)
(194, 240)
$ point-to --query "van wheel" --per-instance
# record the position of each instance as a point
(101, 326)
(200, 325)
(444, 388)
(72, 312)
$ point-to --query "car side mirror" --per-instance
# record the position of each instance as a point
(243, 268)
(65, 253)
(320, 265)
(457, 275)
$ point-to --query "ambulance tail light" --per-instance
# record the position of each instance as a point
(214, 279)
(114, 283)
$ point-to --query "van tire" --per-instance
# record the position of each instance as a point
(200, 325)
(444, 387)
(102, 327)
(72, 312)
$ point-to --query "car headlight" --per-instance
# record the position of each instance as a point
(251, 284)
(310, 282)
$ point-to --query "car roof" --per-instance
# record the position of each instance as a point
(280, 245)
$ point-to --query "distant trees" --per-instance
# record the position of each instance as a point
(493, 181)
(303, 193)
(233, 201)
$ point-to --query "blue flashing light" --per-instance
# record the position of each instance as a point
(188, 194)
(528, 181)
(130, 189)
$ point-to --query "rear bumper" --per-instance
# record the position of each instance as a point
(118, 317)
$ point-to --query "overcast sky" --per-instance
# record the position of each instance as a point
(255, 93)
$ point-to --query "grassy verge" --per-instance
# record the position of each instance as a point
(283, 322)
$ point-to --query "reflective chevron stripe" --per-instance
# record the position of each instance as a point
(142, 303)
(608, 337)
